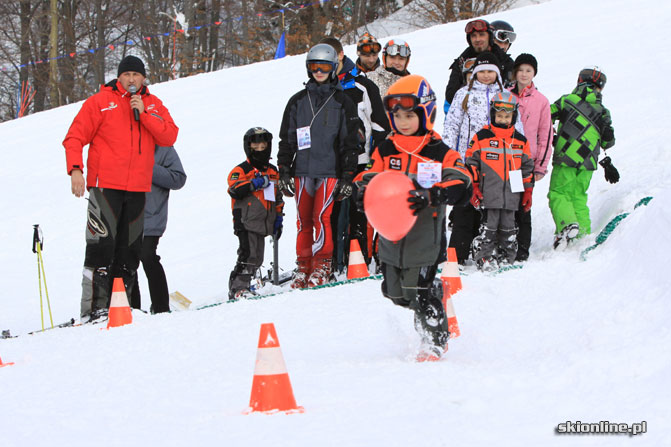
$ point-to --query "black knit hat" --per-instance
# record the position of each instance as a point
(486, 61)
(131, 63)
(526, 58)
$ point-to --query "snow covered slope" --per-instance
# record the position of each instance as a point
(560, 340)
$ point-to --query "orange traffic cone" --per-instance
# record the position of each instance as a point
(271, 388)
(119, 311)
(357, 265)
(5, 364)
(452, 272)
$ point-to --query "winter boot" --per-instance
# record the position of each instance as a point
(300, 279)
(431, 322)
(321, 272)
(566, 236)
(507, 251)
(240, 278)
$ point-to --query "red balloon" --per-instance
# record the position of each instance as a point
(386, 204)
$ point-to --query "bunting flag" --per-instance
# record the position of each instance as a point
(281, 48)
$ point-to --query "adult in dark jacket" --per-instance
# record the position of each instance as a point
(373, 129)
(317, 160)
(121, 124)
(168, 174)
(480, 38)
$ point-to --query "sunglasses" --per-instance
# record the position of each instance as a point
(324, 67)
(505, 36)
(369, 48)
(476, 25)
(398, 50)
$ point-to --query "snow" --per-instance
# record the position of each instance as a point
(560, 340)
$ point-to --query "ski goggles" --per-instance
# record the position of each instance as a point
(260, 138)
(503, 107)
(476, 25)
(505, 36)
(323, 67)
(369, 48)
(398, 50)
(405, 102)
(468, 65)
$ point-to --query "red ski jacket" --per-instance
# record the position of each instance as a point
(121, 150)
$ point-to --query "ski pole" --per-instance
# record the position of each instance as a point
(276, 264)
(38, 244)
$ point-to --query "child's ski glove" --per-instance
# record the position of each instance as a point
(277, 226)
(477, 196)
(526, 199)
(260, 181)
(419, 199)
(612, 176)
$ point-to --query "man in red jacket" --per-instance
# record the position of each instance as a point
(121, 124)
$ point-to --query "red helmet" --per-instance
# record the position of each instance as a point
(412, 92)
(396, 47)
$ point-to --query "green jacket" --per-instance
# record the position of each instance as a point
(584, 127)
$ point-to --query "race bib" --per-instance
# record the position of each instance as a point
(428, 174)
(303, 135)
(269, 192)
(516, 184)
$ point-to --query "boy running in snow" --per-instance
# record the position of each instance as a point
(317, 157)
(257, 208)
(409, 265)
(584, 127)
(502, 168)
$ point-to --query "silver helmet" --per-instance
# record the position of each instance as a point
(325, 53)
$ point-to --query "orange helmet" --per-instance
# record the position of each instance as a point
(412, 92)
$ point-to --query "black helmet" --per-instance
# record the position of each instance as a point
(592, 76)
(259, 159)
(503, 31)
(324, 53)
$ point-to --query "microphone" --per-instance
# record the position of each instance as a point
(133, 90)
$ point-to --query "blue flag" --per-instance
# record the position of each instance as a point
(281, 48)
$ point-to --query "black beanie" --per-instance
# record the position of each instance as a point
(131, 63)
(486, 61)
(526, 58)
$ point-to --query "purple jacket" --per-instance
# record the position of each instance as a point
(534, 110)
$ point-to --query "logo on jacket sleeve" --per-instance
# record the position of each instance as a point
(395, 163)
(112, 105)
(235, 176)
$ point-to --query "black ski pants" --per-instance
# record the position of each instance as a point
(465, 227)
(158, 284)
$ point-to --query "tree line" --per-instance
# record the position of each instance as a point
(56, 52)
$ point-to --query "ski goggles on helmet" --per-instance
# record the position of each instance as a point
(315, 66)
(505, 36)
(476, 25)
(398, 50)
(405, 102)
(468, 65)
(369, 48)
(503, 107)
(260, 138)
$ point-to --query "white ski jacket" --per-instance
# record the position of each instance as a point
(460, 126)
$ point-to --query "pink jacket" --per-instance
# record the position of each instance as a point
(534, 111)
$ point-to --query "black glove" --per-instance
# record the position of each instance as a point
(359, 198)
(419, 199)
(343, 189)
(612, 176)
(286, 183)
